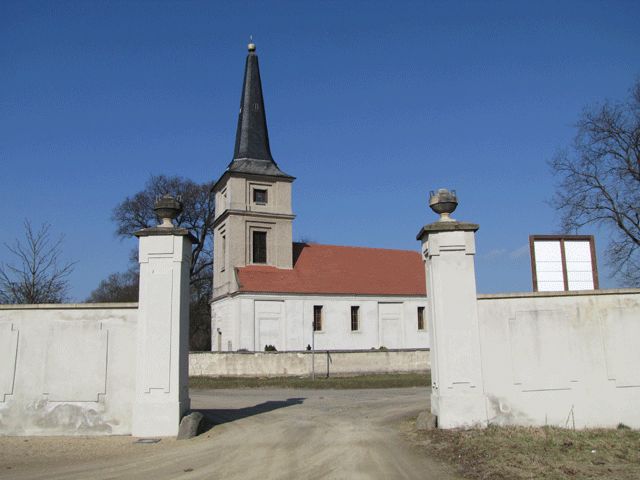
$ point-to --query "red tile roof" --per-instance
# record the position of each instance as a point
(329, 269)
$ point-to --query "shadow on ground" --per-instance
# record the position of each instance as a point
(215, 417)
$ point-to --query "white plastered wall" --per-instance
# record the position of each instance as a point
(239, 319)
(67, 369)
(561, 358)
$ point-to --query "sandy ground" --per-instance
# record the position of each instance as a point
(259, 434)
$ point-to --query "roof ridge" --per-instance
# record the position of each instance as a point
(335, 269)
(313, 244)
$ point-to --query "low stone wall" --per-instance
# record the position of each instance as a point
(282, 364)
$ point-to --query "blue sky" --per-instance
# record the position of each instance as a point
(369, 104)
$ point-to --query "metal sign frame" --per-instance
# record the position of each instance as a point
(561, 239)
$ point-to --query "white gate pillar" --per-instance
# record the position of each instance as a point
(448, 246)
(162, 357)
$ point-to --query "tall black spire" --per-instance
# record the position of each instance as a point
(252, 153)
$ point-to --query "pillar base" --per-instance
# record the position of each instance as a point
(159, 419)
(460, 410)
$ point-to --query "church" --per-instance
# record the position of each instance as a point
(271, 291)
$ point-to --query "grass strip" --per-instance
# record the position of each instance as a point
(545, 453)
(397, 380)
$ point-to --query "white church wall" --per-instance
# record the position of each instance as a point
(246, 327)
(295, 322)
(414, 337)
(251, 321)
(222, 325)
(67, 369)
(280, 364)
(561, 358)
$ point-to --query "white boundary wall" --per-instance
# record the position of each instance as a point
(103, 369)
(555, 358)
(280, 364)
(67, 369)
(561, 358)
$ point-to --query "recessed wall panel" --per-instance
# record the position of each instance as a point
(158, 327)
(8, 357)
(269, 318)
(76, 361)
(541, 350)
(621, 333)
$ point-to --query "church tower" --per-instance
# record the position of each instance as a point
(253, 224)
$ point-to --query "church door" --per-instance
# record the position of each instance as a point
(390, 324)
(269, 323)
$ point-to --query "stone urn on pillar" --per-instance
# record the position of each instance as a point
(444, 202)
(167, 208)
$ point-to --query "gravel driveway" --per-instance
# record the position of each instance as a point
(259, 434)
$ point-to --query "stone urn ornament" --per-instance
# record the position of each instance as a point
(444, 202)
(167, 208)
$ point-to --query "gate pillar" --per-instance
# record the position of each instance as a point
(448, 247)
(162, 356)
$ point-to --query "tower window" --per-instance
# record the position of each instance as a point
(355, 319)
(259, 247)
(260, 196)
(420, 318)
(223, 260)
(223, 194)
(317, 318)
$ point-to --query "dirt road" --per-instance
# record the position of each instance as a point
(259, 434)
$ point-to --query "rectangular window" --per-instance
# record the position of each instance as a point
(355, 319)
(317, 318)
(223, 260)
(259, 247)
(223, 201)
(420, 318)
(260, 196)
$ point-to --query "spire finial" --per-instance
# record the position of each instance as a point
(252, 46)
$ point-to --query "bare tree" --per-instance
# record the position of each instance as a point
(599, 181)
(136, 212)
(117, 287)
(39, 275)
